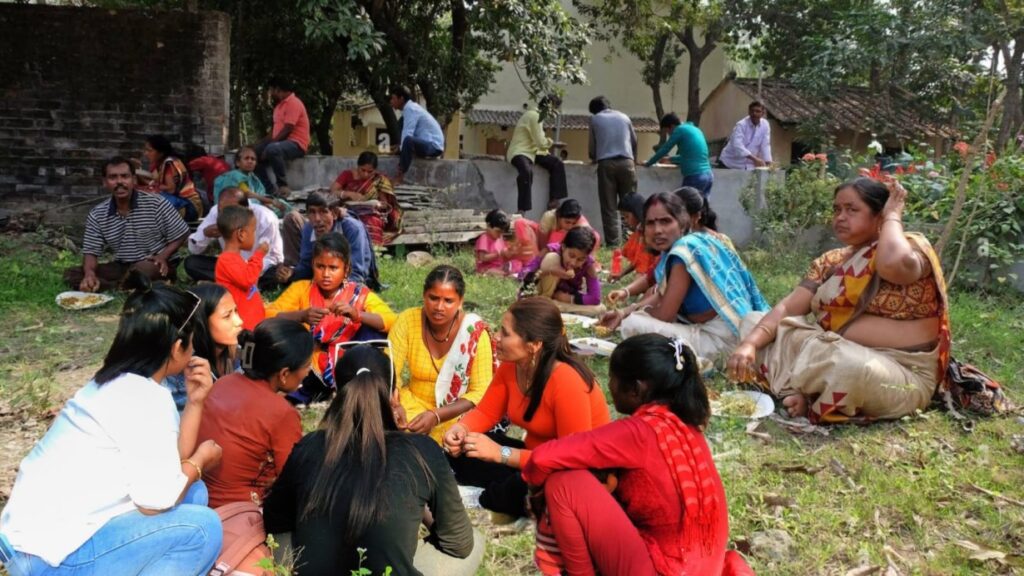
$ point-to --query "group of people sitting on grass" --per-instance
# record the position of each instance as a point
(124, 480)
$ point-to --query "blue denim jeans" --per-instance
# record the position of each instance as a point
(702, 182)
(420, 148)
(184, 540)
(274, 155)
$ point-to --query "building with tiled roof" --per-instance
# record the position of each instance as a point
(847, 118)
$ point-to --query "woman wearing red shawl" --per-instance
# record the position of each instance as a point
(879, 346)
(369, 196)
(667, 512)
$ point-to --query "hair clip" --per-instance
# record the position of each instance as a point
(677, 349)
(248, 351)
(361, 370)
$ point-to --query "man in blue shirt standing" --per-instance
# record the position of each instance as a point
(691, 153)
(421, 134)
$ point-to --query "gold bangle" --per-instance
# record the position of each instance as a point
(767, 331)
(199, 471)
(436, 415)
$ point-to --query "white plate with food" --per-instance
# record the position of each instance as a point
(577, 320)
(76, 300)
(593, 346)
(743, 404)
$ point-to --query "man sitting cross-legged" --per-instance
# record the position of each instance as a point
(142, 230)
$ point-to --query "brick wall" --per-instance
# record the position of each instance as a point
(81, 84)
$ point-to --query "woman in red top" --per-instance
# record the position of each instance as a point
(245, 414)
(668, 513)
(364, 184)
(542, 388)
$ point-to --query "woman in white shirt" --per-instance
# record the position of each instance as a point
(113, 487)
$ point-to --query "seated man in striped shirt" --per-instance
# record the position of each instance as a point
(142, 230)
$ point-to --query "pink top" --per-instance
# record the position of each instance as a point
(489, 245)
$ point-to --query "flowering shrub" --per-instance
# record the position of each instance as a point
(800, 202)
(987, 240)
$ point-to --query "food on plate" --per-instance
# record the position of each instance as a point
(602, 331)
(736, 404)
(82, 302)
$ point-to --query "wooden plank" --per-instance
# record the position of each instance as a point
(444, 227)
(435, 238)
(446, 214)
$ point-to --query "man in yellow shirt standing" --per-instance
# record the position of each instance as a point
(529, 145)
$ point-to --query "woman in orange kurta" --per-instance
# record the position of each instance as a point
(542, 388)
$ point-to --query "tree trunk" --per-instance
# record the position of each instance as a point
(657, 79)
(697, 56)
(322, 127)
(1013, 116)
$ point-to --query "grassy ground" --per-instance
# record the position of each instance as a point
(917, 496)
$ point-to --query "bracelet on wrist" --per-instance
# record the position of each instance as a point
(626, 290)
(437, 415)
(199, 471)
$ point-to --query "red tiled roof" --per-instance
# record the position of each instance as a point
(848, 107)
(569, 121)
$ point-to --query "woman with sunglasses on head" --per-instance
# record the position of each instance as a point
(542, 388)
(668, 512)
(216, 327)
(113, 487)
(358, 482)
(448, 352)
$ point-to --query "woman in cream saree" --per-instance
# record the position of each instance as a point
(879, 343)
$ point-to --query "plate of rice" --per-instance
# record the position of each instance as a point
(76, 300)
(743, 404)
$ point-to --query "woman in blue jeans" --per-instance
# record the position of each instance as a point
(113, 487)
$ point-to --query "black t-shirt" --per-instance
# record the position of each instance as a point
(392, 542)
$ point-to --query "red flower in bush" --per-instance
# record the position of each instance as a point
(809, 157)
(961, 147)
(821, 157)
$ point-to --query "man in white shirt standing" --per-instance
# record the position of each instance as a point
(201, 267)
(750, 145)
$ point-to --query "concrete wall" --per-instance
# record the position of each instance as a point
(486, 184)
(83, 84)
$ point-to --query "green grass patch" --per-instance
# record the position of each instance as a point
(904, 493)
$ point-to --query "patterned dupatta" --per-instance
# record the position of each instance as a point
(848, 290)
(453, 378)
(334, 328)
(687, 456)
(719, 273)
(377, 187)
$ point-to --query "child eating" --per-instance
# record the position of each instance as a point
(567, 273)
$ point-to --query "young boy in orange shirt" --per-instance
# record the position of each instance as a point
(237, 226)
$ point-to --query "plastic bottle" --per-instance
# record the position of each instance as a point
(616, 262)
